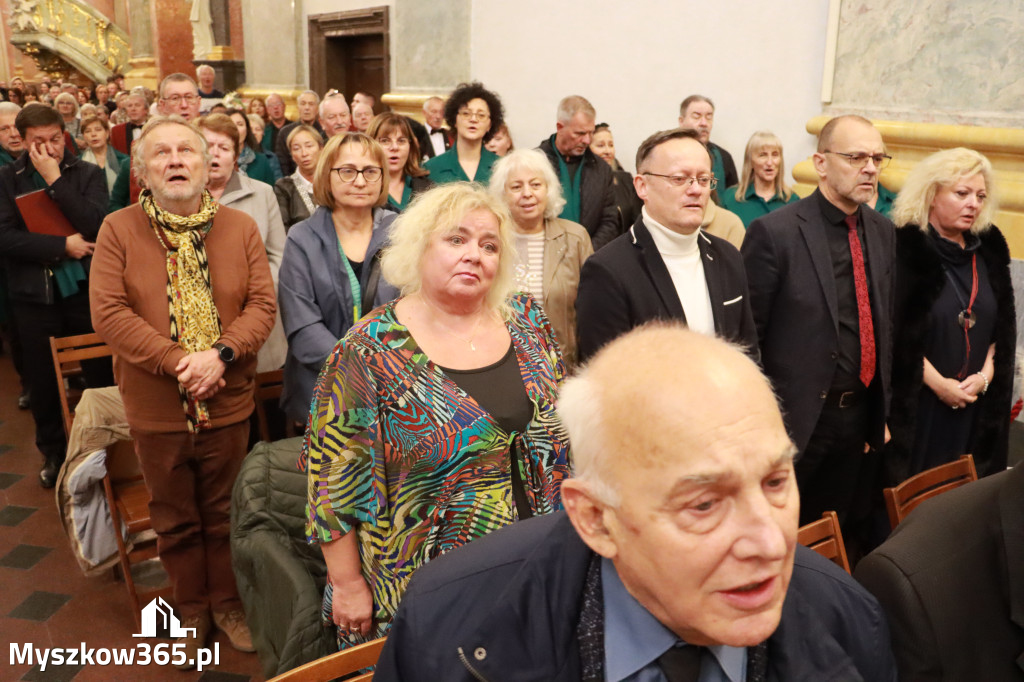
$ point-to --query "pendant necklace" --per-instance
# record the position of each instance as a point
(447, 329)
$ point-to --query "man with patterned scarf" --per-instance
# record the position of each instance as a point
(185, 349)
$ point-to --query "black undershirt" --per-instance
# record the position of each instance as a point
(499, 389)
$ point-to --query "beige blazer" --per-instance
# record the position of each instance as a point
(566, 246)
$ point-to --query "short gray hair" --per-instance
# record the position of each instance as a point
(534, 161)
(336, 97)
(572, 105)
(9, 108)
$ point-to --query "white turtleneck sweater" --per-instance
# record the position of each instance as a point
(682, 258)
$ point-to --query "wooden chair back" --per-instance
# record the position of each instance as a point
(825, 538)
(904, 498)
(268, 387)
(68, 352)
(345, 662)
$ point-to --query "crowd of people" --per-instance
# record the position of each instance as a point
(428, 289)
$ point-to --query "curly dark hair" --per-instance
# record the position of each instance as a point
(461, 96)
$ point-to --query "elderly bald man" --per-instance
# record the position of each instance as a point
(676, 557)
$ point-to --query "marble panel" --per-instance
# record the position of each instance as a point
(943, 61)
(172, 37)
(430, 50)
(274, 45)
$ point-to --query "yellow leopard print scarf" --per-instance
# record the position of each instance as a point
(195, 323)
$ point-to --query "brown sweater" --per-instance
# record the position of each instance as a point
(128, 295)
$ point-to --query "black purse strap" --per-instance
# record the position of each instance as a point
(372, 283)
(518, 489)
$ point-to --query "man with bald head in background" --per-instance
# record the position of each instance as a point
(676, 555)
(821, 276)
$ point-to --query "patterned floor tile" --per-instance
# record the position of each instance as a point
(24, 556)
(13, 514)
(39, 606)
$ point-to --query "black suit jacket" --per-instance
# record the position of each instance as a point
(951, 580)
(423, 138)
(793, 296)
(626, 284)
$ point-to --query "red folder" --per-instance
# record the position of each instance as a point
(42, 215)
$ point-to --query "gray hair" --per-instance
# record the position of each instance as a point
(139, 146)
(572, 105)
(7, 108)
(536, 162)
(336, 97)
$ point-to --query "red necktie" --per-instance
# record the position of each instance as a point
(860, 282)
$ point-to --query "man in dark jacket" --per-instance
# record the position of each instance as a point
(951, 581)
(666, 267)
(47, 275)
(697, 112)
(587, 183)
(676, 554)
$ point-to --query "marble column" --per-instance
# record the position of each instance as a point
(279, 70)
(142, 66)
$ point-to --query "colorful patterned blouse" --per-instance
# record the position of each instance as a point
(396, 448)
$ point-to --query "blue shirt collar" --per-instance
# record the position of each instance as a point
(634, 639)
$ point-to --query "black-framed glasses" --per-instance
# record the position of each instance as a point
(348, 174)
(705, 181)
(860, 160)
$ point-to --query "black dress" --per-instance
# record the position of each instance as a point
(942, 433)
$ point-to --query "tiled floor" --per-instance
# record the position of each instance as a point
(45, 599)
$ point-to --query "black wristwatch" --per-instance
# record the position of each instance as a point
(226, 354)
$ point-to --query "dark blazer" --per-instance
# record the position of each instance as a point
(597, 195)
(793, 296)
(919, 281)
(423, 138)
(627, 284)
(951, 580)
(507, 606)
(81, 194)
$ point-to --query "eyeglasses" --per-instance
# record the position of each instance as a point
(860, 160)
(474, 115)
(175, 100)
(348, 174)
(705, 181)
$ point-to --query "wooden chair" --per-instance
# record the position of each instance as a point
(825, 538)
(127, 496)
(904, 498)
(344, 662)
(268, 387)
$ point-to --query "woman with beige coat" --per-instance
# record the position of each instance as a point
(551, 249)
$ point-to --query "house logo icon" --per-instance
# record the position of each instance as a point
(159, 615)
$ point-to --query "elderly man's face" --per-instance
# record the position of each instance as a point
(705, 533)
(433, 112)
(573, 137)
(336, 118)
(175, 170)
(10, 139)
(206, 78)
(135, 107)
(275, 107)
(307, 107)
(182, 98)
(679, 208)
(362, 114)
(699, 116)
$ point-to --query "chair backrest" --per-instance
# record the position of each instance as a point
(68, 352)
(344, 662)
(825, 538)
(904, 498)
(268, 387)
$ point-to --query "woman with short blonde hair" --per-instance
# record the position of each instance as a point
(954, 336)
(433, 421)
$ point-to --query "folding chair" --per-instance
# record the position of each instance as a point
(904, 498)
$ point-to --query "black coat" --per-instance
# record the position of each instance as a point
(81, 194)
(919, 281)
(626, 284)
(507, 605)
(795, 304)
(597, 196)
(951, 581)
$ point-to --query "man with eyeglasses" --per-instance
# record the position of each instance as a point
(821, 285)
(587, 183)
(179, 95)
(665, 267)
